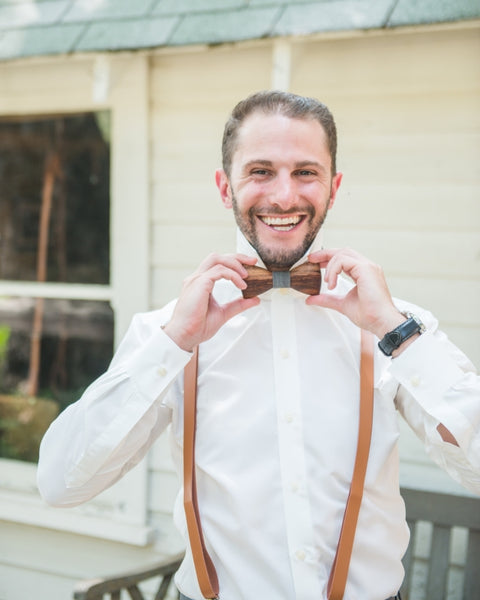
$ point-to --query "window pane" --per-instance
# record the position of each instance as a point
(54, 198)
(75, 346)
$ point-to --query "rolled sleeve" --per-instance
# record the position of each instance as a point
(437, 386)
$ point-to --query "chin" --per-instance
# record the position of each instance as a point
(280, 259)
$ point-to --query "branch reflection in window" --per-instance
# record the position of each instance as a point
(54, 228)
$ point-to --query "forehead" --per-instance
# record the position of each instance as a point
(278, 137)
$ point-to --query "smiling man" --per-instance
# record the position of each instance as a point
(278, 385)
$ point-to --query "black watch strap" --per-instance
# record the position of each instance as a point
(395, 338)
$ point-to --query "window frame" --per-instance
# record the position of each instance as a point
(119, 84)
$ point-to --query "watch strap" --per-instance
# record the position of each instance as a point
(395, 338)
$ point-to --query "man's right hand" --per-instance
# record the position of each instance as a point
(197, 315)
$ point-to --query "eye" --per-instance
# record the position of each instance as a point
(260, 174)
(306, 173)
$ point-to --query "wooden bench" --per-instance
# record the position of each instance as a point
(97, 589)
(441, 512)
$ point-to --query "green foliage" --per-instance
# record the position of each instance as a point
(23, 422)
(4, 337)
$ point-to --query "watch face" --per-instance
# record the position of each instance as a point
(395, 339)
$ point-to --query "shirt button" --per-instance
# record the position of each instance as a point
(300, 554)
(162, 371)
(289, 418)
(284, 291)
(284, 353)
(415, 381)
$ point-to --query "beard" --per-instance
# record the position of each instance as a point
(278, 259)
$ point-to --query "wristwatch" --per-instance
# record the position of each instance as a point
(395, 338)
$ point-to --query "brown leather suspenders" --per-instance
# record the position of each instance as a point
(339, 572)
(205, 569)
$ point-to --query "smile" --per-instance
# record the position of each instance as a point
(282, 223)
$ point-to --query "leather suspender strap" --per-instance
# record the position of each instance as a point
(339, 572)
(204, 567)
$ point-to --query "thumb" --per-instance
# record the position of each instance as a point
(326, 301)
(237, 306)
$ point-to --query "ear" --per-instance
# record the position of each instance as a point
(224, 188)
(336, 181)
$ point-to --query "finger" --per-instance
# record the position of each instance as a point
(328, 259)
(232, 261)
(345, 261)
(333, 269)
(326, 301)
(323, 256)
(247, 260)
(237, 306)
(221, 271)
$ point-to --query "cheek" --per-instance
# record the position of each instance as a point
(248, 197)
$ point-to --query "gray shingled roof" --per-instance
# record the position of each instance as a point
(42, 27)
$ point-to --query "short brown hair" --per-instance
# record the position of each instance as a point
(277, 102)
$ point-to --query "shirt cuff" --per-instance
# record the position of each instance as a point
(428, 372)
(156, 364)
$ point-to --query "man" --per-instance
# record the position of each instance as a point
(278, 384)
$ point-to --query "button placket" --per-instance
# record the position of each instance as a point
(299, 525)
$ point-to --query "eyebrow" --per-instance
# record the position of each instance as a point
(310, 163)
(298, 165)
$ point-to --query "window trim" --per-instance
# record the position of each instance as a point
(119, 513)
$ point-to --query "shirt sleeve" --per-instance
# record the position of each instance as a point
(438, 384)
(96, 440)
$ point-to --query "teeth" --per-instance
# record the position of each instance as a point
(282, 223)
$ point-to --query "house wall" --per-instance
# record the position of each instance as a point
(407, 108)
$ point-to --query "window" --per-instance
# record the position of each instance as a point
(54, 228)
(105, 247)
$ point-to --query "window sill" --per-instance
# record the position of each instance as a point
(118, 514)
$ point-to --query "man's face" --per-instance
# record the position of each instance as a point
(280, 186)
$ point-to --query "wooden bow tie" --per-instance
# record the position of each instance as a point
(305, 278)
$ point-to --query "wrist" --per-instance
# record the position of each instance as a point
(396, 340)
(181, 341)
(388, 323)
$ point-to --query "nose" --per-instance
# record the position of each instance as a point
(284, 193)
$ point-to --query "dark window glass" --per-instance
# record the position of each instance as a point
(75, 346)
(54, 227)
(54, 192)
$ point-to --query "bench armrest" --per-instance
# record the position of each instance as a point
(94, 589)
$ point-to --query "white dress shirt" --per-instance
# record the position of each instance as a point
(278, 407)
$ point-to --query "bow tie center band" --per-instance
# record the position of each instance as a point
(305, 278)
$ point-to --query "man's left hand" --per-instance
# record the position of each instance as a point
(369, 304)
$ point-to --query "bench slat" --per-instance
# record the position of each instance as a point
(438, 563)
(472, 567)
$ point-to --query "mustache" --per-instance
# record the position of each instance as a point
(271, 210)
